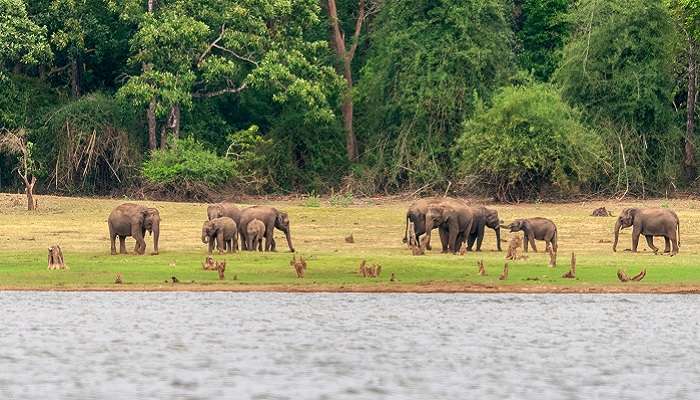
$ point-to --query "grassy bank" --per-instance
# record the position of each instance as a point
(79, 226)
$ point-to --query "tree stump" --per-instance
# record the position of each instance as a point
(56, 258)
(571, 273)
(350, 239)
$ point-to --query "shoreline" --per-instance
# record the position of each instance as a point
(373, 289)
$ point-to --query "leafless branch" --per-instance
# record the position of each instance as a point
(227, 90)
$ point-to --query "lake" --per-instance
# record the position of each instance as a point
(92, 345)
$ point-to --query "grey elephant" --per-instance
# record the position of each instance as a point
(453, 219)
(484, 217)
(255, 234)
(650, 222)
(222, 231)
(416, 215)
(224, 209)
(272, 218)
(133, 220)
(536, 229)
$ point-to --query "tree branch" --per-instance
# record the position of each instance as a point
(211, 46)
(242, 58)
(358, 28)
(207, 95)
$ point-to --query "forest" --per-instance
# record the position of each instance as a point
(517, 100)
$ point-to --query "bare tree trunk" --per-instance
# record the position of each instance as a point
(164, 136)
(75, 77)
(176, 123)
(689, 166)
(151, 116)
(345, 56)
(29, 191)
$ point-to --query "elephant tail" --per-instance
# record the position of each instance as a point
(678, 227)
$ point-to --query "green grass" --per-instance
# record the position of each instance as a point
(79, 226)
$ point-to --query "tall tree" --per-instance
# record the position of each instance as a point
(687, 14)
(345, 57)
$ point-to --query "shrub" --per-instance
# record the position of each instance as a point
(343, 200)
(529, 141)
(187, 162)
(312, 201)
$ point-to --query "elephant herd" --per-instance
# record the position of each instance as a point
(226, 224)
(458, 222)
(229, 228)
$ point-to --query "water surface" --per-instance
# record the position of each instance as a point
(347, 346)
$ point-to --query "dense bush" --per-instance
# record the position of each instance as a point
(187, 162)
(528, 142)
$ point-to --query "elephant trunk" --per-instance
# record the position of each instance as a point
(156, 236)
(618, 225)
(288, 235)
(498, 237)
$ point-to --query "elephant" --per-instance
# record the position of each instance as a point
(255, 232)
(272, 218)
(133, 220)
(223, 231)
(650, 222)
(224, 210)
(416, 215)
(535, 228)
(453, 218)
(484, 217)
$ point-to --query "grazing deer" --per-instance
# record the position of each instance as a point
(482, 270)
(209, 264)
(513, 247)
(298, 265)
(56, 258)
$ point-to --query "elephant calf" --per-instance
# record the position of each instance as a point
(650, 222)
(535, 228)
(223, 231)
(255, 234)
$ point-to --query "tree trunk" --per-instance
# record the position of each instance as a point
(345, 57)
(164, 136)
(75, 77)
(176, 122)
(151, 116)
(29, 191)
(689, 166)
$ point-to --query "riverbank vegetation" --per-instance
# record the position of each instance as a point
(319, 231)
(513, 99)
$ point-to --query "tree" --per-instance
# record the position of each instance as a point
(617, 67)
(427, 63)
(21, 40)
(204, 49)
(345, 57)
(527, 142)
(15, 142)
(687, 14)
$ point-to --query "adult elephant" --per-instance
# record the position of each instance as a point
(650, 222)
(484, 217)
(224, 209)
(416, 215)
(272, 218)
(453, 218)
(133, 220)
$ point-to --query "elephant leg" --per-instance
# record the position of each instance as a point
(480, 237)
(122, 244)
(112, 241)
(444, 237)
(525, 242)
(470, 242)
(650, 243)
(269, 239)
(635, 239)
(210, 245)
(220, 242)
(667, 244)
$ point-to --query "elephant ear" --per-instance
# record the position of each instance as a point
(527, 227)
(282, 218)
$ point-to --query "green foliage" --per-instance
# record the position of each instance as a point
(21, 40)
(312, 201)
(529, 141)
(427, 61)
(618, 68)
(541, 30)
(187, 162)
(342, 200)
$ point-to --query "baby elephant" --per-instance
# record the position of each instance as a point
(223, 230)
(256, 233)
(535, 228)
